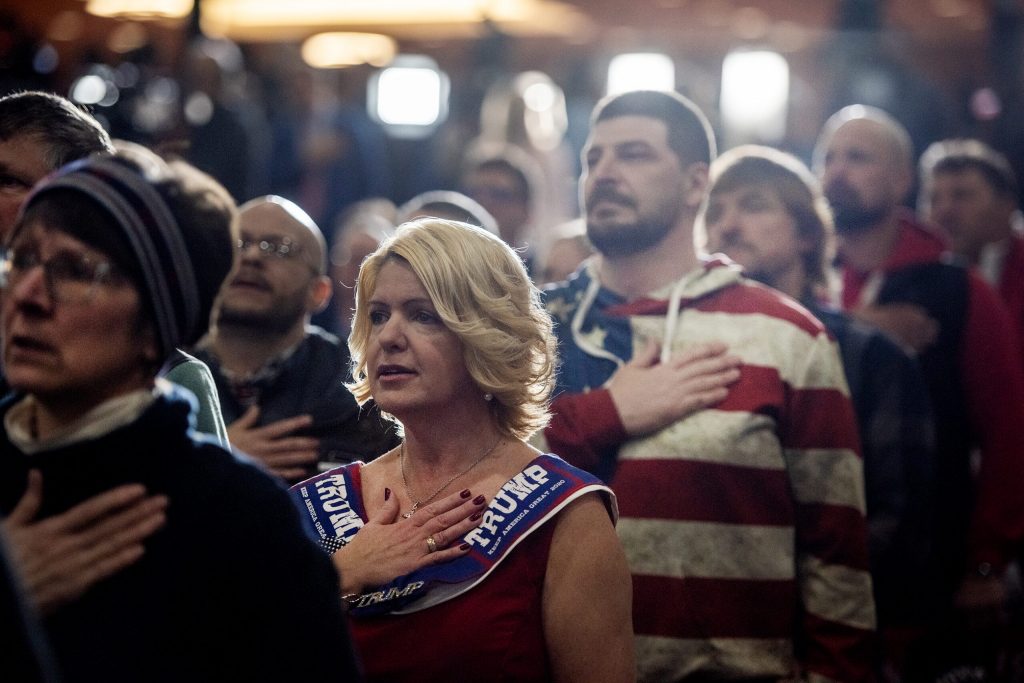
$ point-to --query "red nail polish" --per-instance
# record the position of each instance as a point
(479, 500)
(387, 494)
(465, 493)
(476, 517)
(464, 546)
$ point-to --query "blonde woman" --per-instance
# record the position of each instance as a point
(450, 339)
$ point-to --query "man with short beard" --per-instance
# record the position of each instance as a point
(895, 273)
(281, 380)
(719, 413)
(766, 211)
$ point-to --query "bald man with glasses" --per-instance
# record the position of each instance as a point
(281, 379)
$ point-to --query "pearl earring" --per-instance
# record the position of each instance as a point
(488, 396)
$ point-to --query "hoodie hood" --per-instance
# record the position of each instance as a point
(586, 307)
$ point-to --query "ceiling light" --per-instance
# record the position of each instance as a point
(333, 50)
(140, 9)
(128, 36)
(274, 20)
(410, 97)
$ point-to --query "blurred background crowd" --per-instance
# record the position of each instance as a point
(331, 103)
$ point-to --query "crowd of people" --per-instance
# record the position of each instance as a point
(744, 420)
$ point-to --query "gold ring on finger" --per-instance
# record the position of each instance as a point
(431, 545)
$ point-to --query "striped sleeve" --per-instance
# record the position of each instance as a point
(822, 453)
(585, 430)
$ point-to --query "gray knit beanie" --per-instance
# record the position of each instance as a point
(171, 228)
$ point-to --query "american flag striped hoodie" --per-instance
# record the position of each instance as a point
(744, 523)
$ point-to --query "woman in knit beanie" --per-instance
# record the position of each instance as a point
(114, 263)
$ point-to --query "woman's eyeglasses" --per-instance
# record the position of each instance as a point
(70, 277)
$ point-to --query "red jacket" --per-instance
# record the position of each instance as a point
(1011, 285)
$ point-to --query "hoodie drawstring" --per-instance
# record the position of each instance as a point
(587, 302)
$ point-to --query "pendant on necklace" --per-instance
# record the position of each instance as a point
(411, 512)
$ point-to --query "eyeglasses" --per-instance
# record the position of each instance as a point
(284, 247)
(70, 277)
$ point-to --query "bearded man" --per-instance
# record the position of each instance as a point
(281, 379)
(719, 413)
(895, 273)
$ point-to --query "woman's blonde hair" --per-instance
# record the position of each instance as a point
(482, 293)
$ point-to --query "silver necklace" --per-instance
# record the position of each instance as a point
(417, 503)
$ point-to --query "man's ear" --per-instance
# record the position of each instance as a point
(320, 292)
(695, 184)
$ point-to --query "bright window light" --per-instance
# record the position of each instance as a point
(755, 95)
(641, 71)
(410, 97)
(89, 89)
